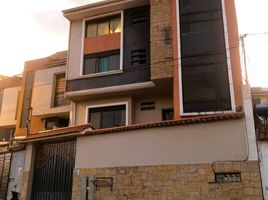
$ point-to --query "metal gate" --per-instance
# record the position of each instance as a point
(4, 174)
(53, 173)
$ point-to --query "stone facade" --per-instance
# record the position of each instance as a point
(161, 40)
(25, 186)
(192, 181)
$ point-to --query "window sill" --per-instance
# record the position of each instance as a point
(206, 113)
(101, 74)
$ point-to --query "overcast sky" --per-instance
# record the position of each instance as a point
(32, 29)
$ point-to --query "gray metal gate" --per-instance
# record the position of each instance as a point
(4, 174)
(53, 172)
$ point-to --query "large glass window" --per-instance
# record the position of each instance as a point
(104, 62)
(103, 26)
(205, 82)
(107, 117)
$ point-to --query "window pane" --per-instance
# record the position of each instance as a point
(115, 25)
(95, 119)
(103, 65)
(103, 28)
(89, 66)
(119, 118)
(91, 30)
(107, 117)
(114, 62)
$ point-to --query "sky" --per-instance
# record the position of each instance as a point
(36, 28)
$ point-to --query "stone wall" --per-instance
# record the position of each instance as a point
(161, 39)
(25, 186)
(192, 181)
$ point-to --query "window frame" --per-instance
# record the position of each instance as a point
(108, 105)
(228, 60)
(101, 20)
(120, 70)
(97, 56)
(53, 96)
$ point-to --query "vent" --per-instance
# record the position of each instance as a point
(138, 17)
(231, 177)
(138, 57)
(147, 106)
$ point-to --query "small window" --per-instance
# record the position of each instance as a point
(150, 105)
(107, 117)
(167, 114)
(99, 63)
(60, 99)
(104, 26)
(55, 122)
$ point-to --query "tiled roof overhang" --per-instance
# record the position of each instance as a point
(66, 132)
(87, 129)
(184, 121)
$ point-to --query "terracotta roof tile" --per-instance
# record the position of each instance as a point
(67, 131)
(58, 132)
(184, 121)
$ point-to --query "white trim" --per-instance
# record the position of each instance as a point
(83, 43)
(106, 105)
(228, 56)
(122, 40)
(118, 71)
(111, 89)
(229, 67)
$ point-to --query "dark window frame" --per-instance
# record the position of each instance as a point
(97, 57)
(101, 20)
(107, 108)
(165, 111)
(224, 102)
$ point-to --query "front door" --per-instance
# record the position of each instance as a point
(53, 174)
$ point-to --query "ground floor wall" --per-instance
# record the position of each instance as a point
(189, 181)
(263, 155)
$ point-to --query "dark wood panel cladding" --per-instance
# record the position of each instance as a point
(129, 76)
(203, 57)
(136, 54)
(137, 37)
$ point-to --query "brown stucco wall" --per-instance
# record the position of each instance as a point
(102, 43)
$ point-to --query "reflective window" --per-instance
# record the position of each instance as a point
(103, 26)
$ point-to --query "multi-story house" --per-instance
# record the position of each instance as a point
(157, 107)
(42, 103)
(9, 92)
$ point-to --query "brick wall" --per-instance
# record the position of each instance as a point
(195, 181)
(161, 40)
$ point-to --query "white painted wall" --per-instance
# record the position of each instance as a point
(9, 106)
(42, 95)
(16, 171)
(188, 144)
(75, 49)
(263, 155)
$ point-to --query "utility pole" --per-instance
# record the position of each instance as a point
(242, 38)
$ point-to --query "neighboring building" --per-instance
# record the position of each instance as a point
(2, 77)
(43, 105)
(260, 96)
(157, 107)
(9, 92)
